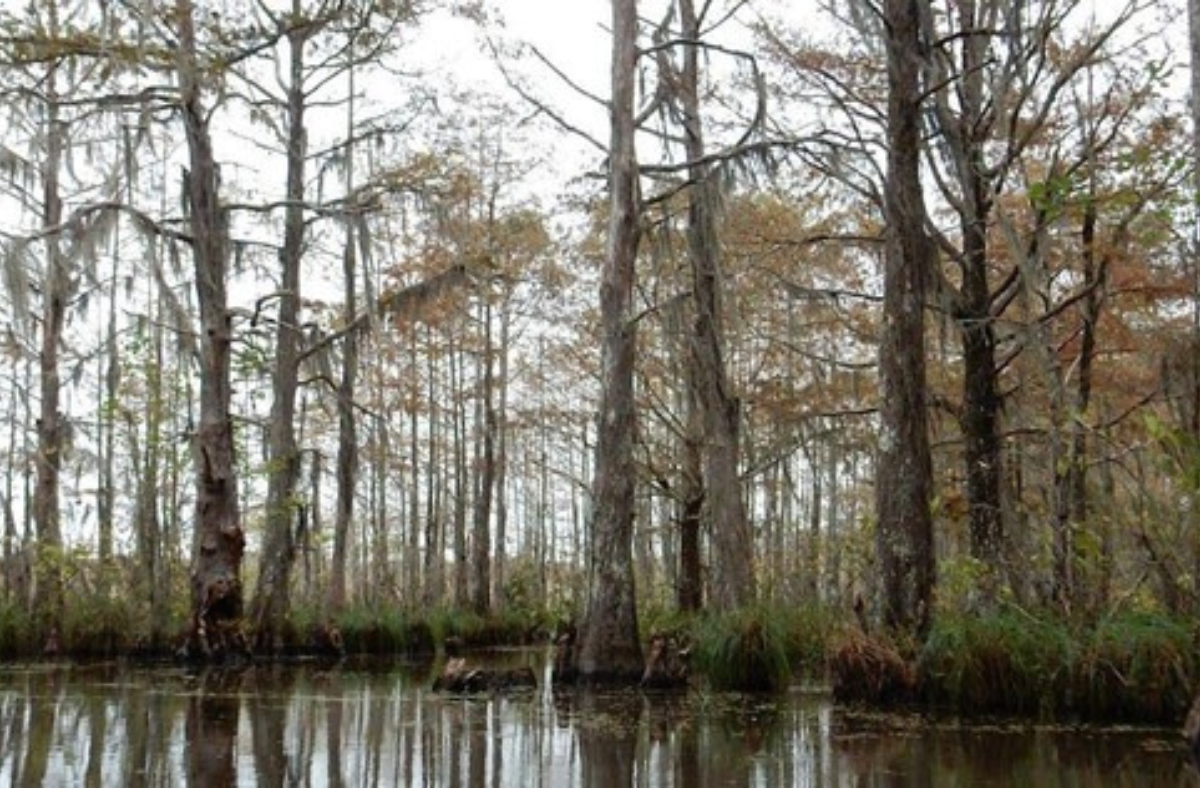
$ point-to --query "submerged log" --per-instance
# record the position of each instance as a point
(460, 678)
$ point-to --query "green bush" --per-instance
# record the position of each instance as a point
(16, 631)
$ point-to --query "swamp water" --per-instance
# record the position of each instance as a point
(370, 724)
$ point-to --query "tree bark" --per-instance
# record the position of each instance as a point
(271, 600)
(50, 423)
(608, 648)
(481, 539)
(903, 480)
(731, 579)
(347, 449)
(219, 539)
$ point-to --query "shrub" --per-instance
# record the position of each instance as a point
(16, 631)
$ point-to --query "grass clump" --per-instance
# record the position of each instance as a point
(742, 651)
(368, 631)
(812, 633)
(865, 669)
(1004, 663)
(1138, 668)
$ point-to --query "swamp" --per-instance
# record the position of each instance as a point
(374, 724)
(613, 392)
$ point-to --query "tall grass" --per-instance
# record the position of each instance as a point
(384, 631)
(743, 650)
(1138, 668)
(1004, 663)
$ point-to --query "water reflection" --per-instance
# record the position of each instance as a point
(273, 725)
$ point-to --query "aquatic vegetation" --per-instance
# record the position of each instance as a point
(384, 632)
(1009, 662)
(870, 670)
(1138, 668)
(742, 651)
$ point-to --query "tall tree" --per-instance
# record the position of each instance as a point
(268, 612)
(732, 573)
(608, 648)
(219, 538)
(55, 297)
(903, 474)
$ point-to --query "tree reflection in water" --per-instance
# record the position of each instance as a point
(363, 725)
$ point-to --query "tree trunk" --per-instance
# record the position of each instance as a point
(731, 579)
(271, 601)
(903, 478)
(689, 499)
(219, 540)
(501, 465)
(1194, 419)
(347, 450)
(481, 540)
(462, 567)
(50, 423)
(608, 647)
(1193, 728)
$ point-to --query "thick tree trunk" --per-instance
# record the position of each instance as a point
(904, 533)
(219, 540)
(271, 600)
(608, 648)
(731, 579)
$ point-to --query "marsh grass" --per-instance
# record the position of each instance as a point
(865, 669)
(1138, 668)
(744, 650)
(1003, 663)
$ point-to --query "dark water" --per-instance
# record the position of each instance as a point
(357, 725)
